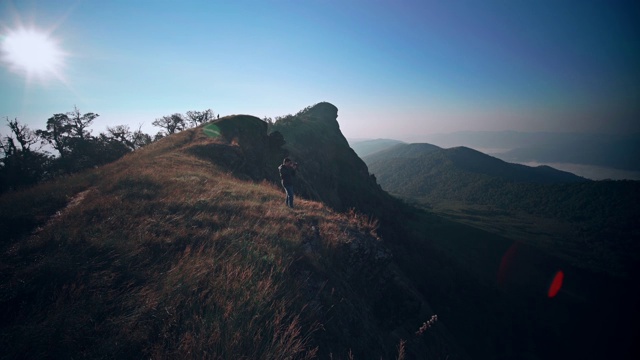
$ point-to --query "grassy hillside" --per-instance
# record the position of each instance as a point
(177, 251)
(184, 249)
(491, 286)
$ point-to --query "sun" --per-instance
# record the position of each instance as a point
(33, 53)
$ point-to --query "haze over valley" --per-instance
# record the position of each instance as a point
(593, 156)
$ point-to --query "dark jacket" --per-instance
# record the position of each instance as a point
(287, 173)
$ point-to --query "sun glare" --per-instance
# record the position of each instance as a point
(33, 53)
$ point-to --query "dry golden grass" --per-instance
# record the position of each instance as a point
(164, 256)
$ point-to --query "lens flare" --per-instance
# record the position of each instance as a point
(212, 130)
(556, 284)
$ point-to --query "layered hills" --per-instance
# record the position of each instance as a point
(495, 195)
(551, 218)
(618, 151)
(185, 249)
(425, 170)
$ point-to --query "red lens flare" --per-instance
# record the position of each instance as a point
(556, 284)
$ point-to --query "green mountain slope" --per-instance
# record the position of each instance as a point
(463, 182)
(420, 160)
(481, 212)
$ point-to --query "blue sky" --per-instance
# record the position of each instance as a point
(394, 69)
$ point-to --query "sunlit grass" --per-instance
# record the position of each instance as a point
(166, 255)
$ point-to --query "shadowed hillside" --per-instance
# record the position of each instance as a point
(491, 216)
(182, 250)
(468, 184)
(330, 171)
(407, 162)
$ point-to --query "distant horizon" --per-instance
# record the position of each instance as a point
(589, 171)
(417, 138)
(393, 69)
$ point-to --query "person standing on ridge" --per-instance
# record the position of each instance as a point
(287, 173)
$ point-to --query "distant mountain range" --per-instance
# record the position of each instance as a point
(419, 169)
(621, 151)
(185, 249)
(440, 177)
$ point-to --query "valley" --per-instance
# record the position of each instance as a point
(503, 232)
(184, 249)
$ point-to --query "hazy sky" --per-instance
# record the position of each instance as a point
(394, 69)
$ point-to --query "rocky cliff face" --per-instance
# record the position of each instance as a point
(357, 276)
(368, 291)
(330, 171)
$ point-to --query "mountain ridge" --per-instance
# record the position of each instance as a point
(397, 168)
(329, 169)
(185, 249)
(617, 151)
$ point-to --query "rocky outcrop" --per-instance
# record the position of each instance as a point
(240, 143)
(330, 171)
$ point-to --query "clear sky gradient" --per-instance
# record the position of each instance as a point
(395, 69)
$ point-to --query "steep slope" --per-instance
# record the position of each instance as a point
(330, 171)
(180, 250)
(491, 288)
(184, 249)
